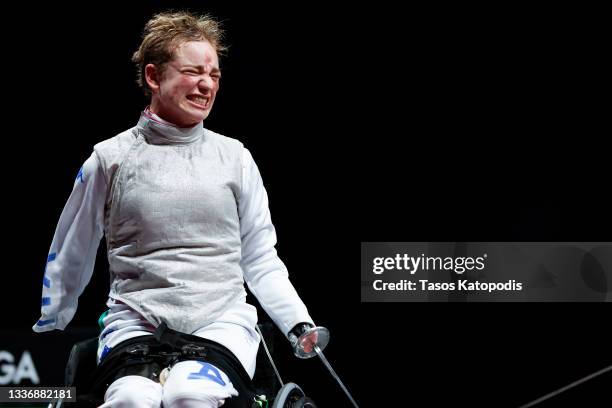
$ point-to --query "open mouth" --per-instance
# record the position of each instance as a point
(199, 101)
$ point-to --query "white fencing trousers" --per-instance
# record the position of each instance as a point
(191, 384)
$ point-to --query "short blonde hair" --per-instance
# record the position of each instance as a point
(165, 32)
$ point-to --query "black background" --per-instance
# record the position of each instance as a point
(368, 123)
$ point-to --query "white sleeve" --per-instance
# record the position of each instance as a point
(72, 256)
(264, 272)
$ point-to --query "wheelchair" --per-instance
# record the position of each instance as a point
(82, 363)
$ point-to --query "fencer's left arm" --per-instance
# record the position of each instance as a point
(264, 272)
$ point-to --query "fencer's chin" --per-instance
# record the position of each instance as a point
(195, 117)
(195, 114)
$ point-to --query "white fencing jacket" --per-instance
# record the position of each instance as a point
(93, 205)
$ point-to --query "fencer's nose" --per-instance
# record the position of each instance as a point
(206, 83)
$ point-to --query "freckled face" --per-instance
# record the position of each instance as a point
(186, 90)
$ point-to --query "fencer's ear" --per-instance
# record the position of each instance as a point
(152, 77)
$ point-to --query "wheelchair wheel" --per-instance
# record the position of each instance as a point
(304, 402)
(292, 396)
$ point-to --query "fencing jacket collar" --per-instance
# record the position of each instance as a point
(159, 131)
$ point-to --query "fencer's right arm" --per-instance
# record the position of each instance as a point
(72, 256)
